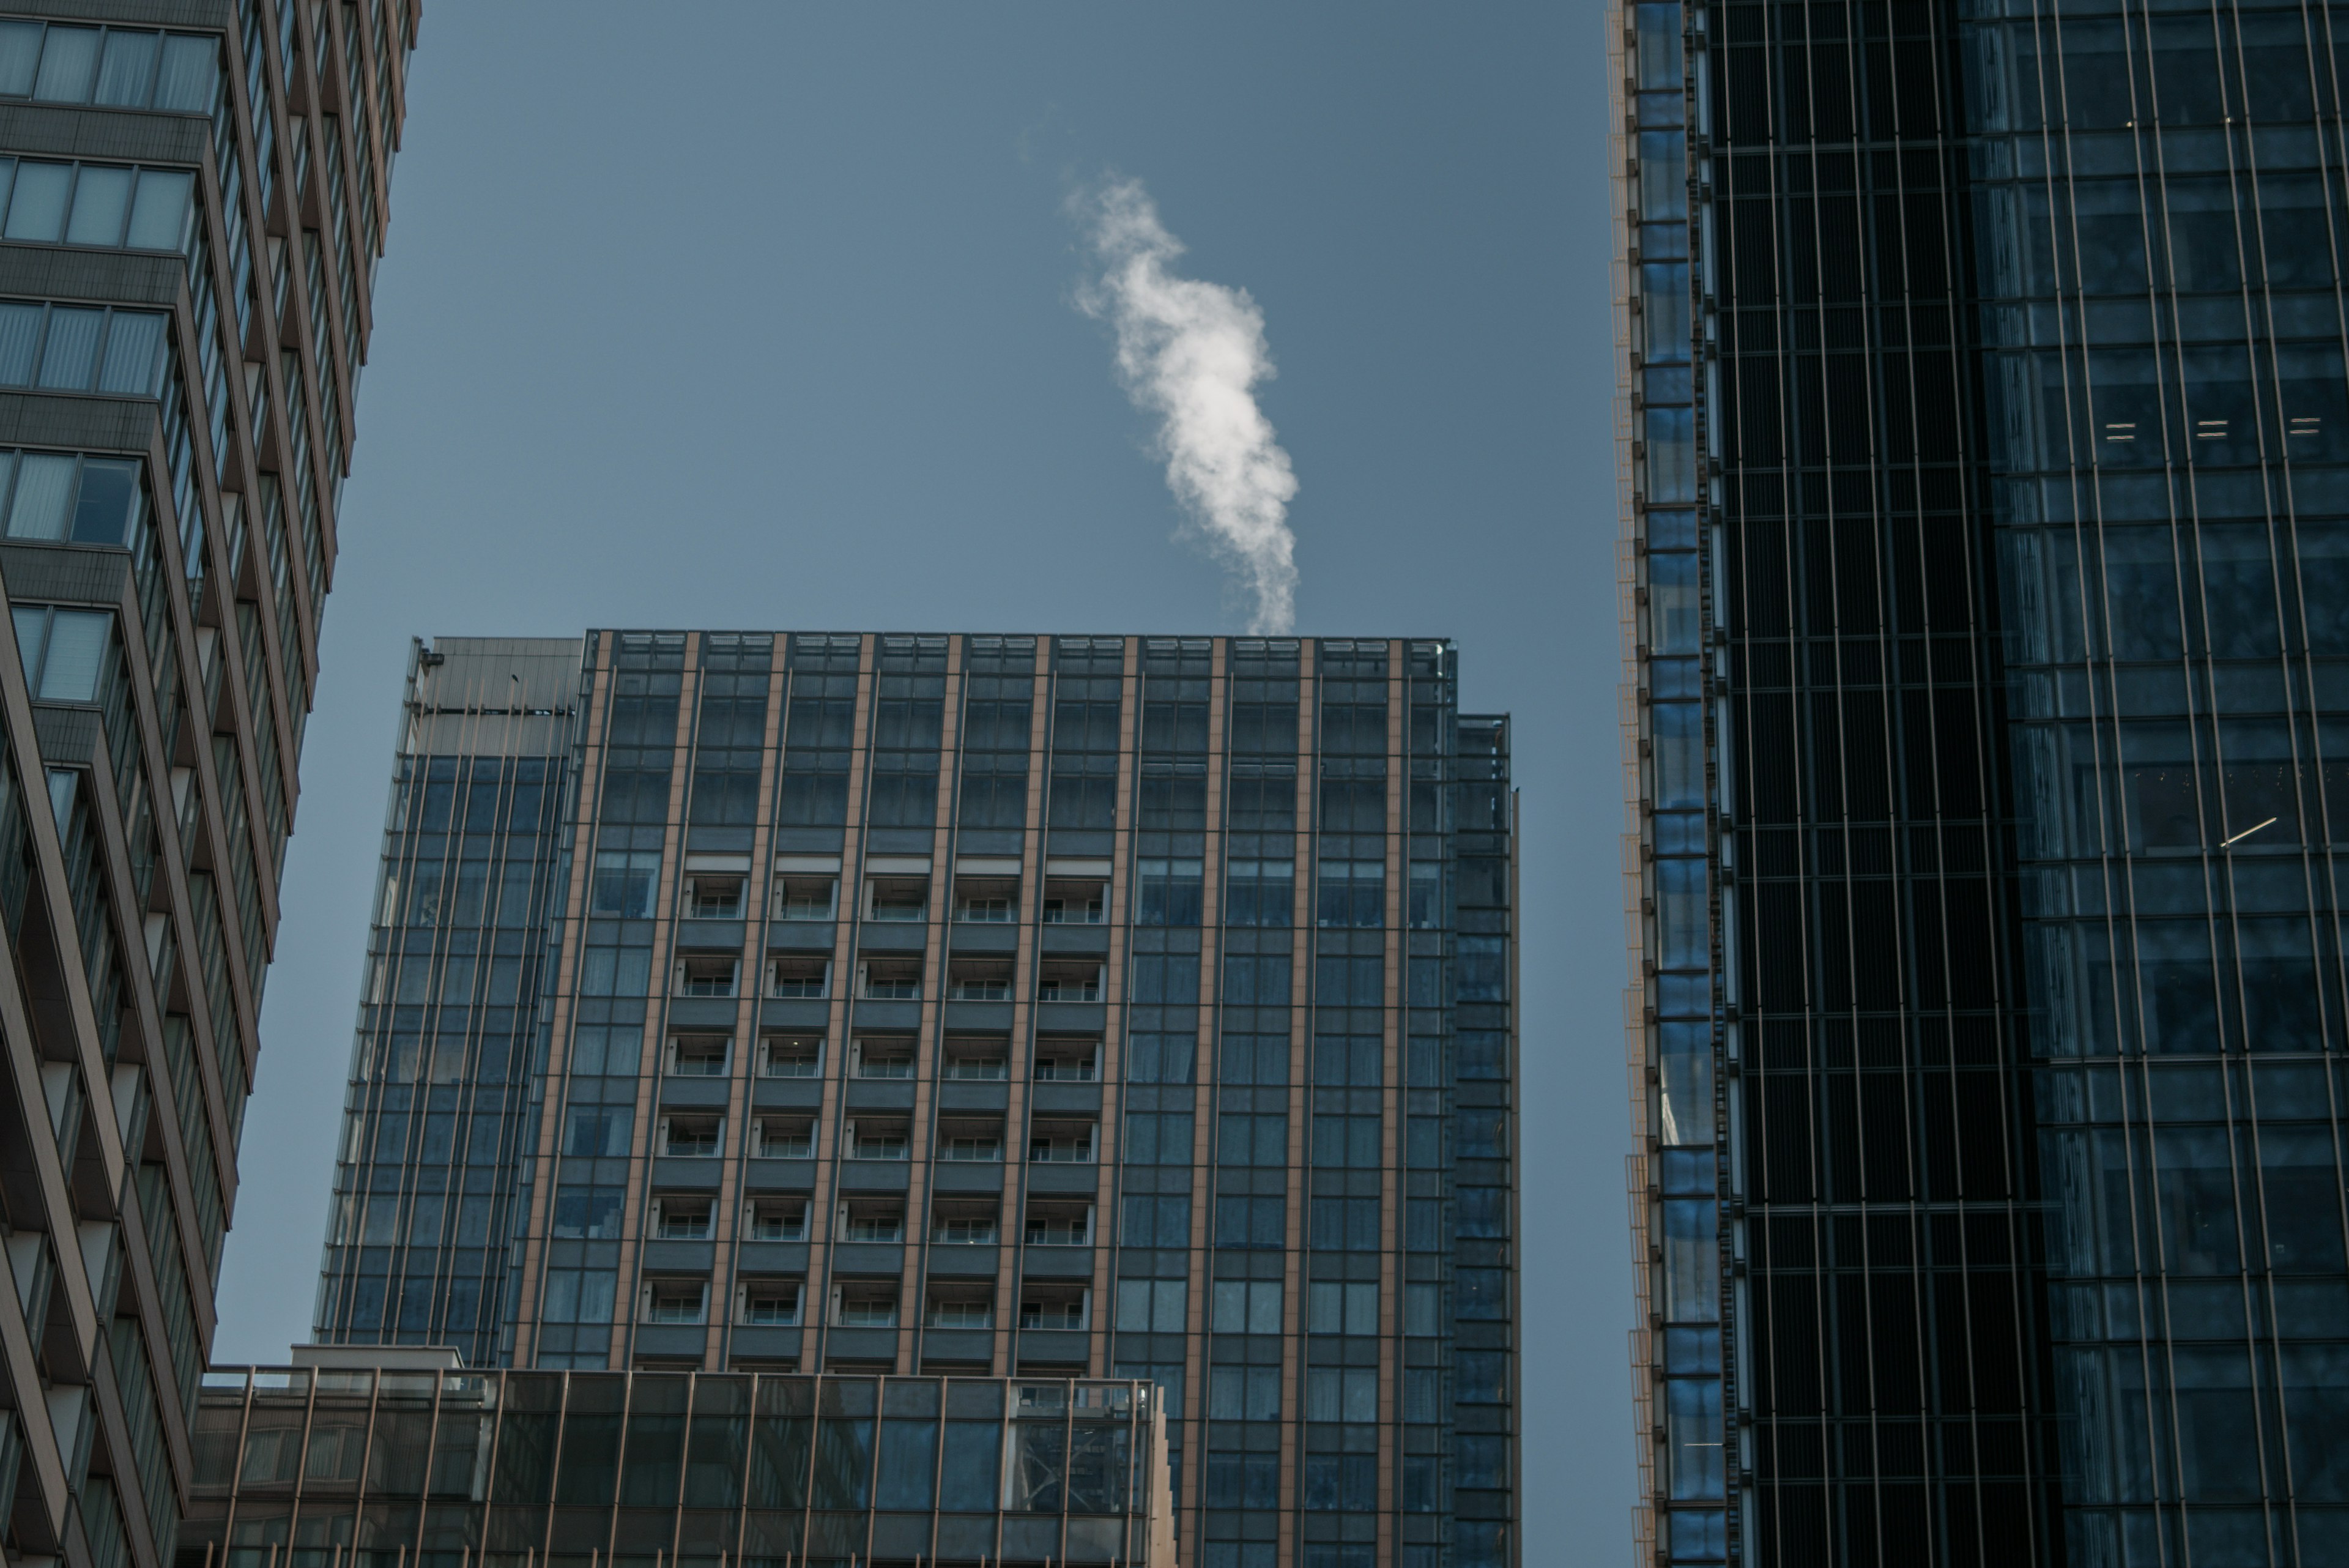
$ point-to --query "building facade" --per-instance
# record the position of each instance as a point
(193, 198)
(1013, 1006)
(478, 783)
(1983, 455)
(379, 1466)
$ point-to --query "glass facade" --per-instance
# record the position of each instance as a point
(433, 1129)
(379, 1467)
(1016, 1006)
(173, 447)
(1984, 448)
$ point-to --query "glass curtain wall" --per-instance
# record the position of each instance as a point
(377, 1468)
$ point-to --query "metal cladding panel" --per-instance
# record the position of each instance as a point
(874, 1176)
(779, 1175)
(787, 1094)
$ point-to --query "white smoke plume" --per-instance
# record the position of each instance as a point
(1192, 353)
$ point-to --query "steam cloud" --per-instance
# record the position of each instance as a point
(1191, 353)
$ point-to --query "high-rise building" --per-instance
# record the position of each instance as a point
(380, 1457)
(972, 1005)
(470, 856)
(1985, 427)
(192, 203)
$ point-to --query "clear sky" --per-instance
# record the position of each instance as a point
(762, 315)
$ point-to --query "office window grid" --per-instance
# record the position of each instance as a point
(901, 1234)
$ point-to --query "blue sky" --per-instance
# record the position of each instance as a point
(764, 316)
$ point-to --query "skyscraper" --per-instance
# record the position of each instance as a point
(192, 203)
(1984, 421)
(1011, 1005)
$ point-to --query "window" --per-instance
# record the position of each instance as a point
(904, 899)
(1061, 1225)
(82, 348)
(992, 900)
(807, 978)
(806, 897)
(597, 1130)
(1244, 1137)
(972, 1141)
(1356, 981)
(1063, 980)
(706, 976)
(1353, 893)
(1246, 1394)
(1245, 1306)
(1341, 1140)
(97, 204)
(978, 980)
(1067, 1064)
(1335, 1308)
(692, 1137)
(876, 1140)
(1425, 910)
(864, 1306)
(959, 1312)
(1483, 969)
(1157, 1221)
(1058, 1310)
(881, 1059)
(579, 1296)
(1156, 1058)
(1259, 893)
(63, 651)
(776, 1220)
(676, 1301)
(994, 790)
(115, 67)
(879, 1222)
(1075, 901)
(587, 1213)
(1158, 1138)
(698, 1055)
(771, 1304)
(1359, 1060)
(1063, 1143)
(1253, 1059)
(59, 495)
(964, 1226)
(782, 1137)
(1172, 798)
(1151, 1307)
(1256, 1223)
(1256, 980)
(622, 888)
(890, 980)
(1084, 794)
(1167, 893)
(681, 1219)
(979, 1060)
(1346, 1224)
(1264, 798)
(710, 896)
(789, 1056)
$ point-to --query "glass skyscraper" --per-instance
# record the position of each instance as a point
(1010, 1006)
(192, 200)
(1984, 441)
